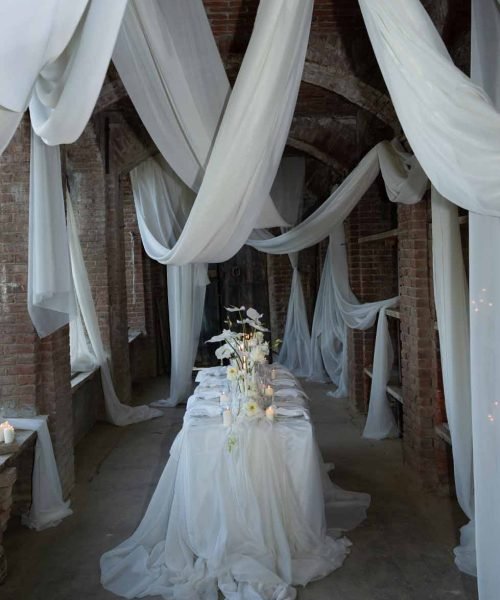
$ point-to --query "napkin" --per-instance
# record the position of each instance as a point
(290, 392)
(197, 407)
(219, 372)
(292, 412)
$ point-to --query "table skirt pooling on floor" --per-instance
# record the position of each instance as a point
(239, 509)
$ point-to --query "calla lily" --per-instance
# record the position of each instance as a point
(227, 334)
(254, 315)
(234, 308)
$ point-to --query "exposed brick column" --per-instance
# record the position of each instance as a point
(418, 341)
(373, 276)
(117, 290)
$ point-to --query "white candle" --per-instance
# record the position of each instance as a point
(227, 418)
(273, 373)
(9, 434)
(270, 413)
(223, 399)
(269, 391)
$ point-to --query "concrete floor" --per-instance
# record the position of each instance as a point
(402, 552)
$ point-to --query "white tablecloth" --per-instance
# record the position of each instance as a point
(239, 509)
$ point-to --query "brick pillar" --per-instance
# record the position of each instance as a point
(373, 276)
(117, 290)
(418, 341)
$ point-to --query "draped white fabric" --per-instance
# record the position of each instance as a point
(269, 499)
(484, 279)
(380, 422)
(404, 180)
(450, 123)
(162, 204)
(168, 60)
(47, 505)
(336, 306)
(170, 65)
(250, 141)
(50, 289)
(328, 335)
(116, 412)
(456, 138)
(296, 346)
(452, 310)
(82, 359)
(59, 73)
(336, 310)
(187, 285)
(287, 194)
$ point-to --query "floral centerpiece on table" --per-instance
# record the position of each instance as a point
(246, 350)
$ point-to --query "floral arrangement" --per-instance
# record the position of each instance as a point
(247, 352)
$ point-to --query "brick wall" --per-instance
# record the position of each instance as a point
(34, 373)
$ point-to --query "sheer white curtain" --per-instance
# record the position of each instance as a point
(336, 306)
(59, 74)
(452, 310)
(48, 507)
(168, 60)
(288, 195)
(380, 422)
(456, 138)
(337, 310)
(484, 279)
(116, 412)
(162, 202)
(50, 288)
(251, 137)
(404, 180)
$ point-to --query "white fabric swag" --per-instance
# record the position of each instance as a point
(116, 412)
(337, 310)
(288, 195)
(251, 137)
(168, 60)
(59, 74)
(47, 508)
(484, 249)
(162, 204)
(456, 138)
(51, 301)
(452, 308)
(405, 182)
(336, 306)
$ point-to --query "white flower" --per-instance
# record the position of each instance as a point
(253, 324)
(257, 355)
(234, 308)
(227, 334)
(224, 351)
(232, 373)
(257, 326)
(254, 315)
(252, 409)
